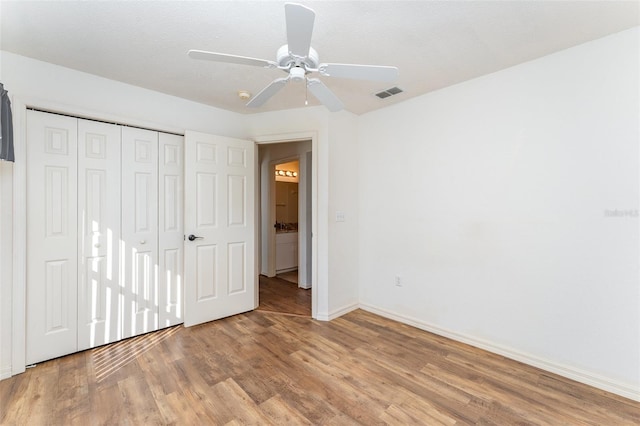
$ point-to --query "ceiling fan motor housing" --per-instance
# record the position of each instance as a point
(286, 60)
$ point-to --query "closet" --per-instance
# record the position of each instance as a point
(104, 233)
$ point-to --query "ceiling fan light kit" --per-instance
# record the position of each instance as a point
(297, 74)
(298, 59)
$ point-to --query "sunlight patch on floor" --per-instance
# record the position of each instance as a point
(110, 358)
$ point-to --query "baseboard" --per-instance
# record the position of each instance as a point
(5, 373)
(582, 376)
(338, 312)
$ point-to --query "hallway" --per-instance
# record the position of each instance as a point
(282, 296)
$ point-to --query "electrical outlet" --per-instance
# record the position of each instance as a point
(340, 216)
(398, 281)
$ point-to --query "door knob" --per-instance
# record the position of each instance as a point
(193, 237)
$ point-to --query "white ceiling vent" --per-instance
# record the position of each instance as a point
(389, 92)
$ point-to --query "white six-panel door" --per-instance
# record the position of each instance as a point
(139, 230)
(52, 243)
(219, 213)
(98, 184)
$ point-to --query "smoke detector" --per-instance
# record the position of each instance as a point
(244, 95)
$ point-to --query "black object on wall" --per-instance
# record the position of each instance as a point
(6, 126)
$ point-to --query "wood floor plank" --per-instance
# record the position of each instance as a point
(72, 405)
(349, 399)
(428, 413)
(185, 407)
(279, 412)
(243, 408)
(267, 368)
(138, 401)
(518, 389)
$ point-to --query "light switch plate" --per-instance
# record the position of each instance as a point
(340, 216)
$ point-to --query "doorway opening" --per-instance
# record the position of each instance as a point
(285, 281)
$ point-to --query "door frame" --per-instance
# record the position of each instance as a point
(285, 138)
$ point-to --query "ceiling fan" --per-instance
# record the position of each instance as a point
(298, 59)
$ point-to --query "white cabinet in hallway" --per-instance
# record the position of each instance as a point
(286, 251)
(104, 233)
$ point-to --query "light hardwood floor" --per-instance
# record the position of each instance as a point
(267, 368)
(279, 295)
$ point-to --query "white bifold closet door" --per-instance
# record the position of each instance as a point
(104, 233)
(140, 230)
(99, 206)
(152, 230)
(52, 230)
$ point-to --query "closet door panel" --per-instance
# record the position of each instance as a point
(170, 229)
(139, 242)
(52, 247)
(99, 309)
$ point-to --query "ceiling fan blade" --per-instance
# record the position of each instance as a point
(262, 97)
(299, 28)
(360, 72)
(230, 59)
(324, 95)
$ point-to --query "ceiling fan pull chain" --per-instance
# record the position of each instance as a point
(306, 92)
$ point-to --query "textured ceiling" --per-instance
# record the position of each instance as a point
(433, 43)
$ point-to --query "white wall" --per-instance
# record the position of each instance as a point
(489, 199)
(343, 201)
(6, 263)
(6, 266)
(46, 84)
